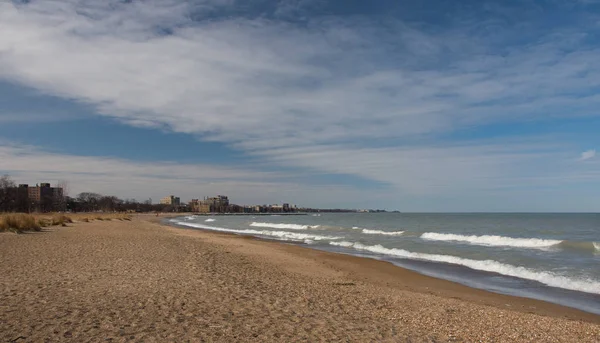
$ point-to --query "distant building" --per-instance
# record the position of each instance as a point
(220, 203)
(200, 206)
(170, 200)
(42, 192)
(275, 208)
(42, 197)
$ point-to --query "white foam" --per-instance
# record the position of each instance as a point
(284, 226)
(488, 240)
(344, 244)
(191, 217)
(210, 220)
(283, 235)
(380, 232)
(547, 278)
(596, 246)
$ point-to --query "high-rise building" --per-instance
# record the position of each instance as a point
(201, 206)
(220, 203)
(170, 200)
(42, 192)
(42, 197)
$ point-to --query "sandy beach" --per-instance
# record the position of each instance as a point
(139, 281)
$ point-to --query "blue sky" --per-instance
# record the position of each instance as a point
(416, 105)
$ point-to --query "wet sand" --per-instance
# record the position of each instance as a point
(139, 281)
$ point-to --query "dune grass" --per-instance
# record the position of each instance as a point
(21, 222)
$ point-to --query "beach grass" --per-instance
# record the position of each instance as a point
(21, 222)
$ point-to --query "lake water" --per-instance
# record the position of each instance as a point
(552, 257)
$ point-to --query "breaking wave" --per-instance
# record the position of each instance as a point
(284, 226)
(550, 279)
(380, 232)
(283, 235)
(210, 220)
(593, 247)
(489, 240)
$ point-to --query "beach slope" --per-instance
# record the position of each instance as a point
(139, 281)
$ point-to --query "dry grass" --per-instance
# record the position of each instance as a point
(20, 222)
(61, 219)
(88, 217)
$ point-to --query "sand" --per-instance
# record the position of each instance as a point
(139, 281)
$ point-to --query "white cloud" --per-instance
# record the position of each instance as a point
(133, 179)
(451, 178)
(241, 80)
(588, 154)
(316, 97)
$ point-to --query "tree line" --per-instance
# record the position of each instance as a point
(93, 202)
(14, 199)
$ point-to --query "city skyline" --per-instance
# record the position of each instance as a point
(420, 107)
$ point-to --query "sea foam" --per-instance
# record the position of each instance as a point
(210, 220)
(284, 226)
(283, 235)
(550, 279)
(380, 232)
(489, 240)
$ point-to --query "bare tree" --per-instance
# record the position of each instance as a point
(60, 196)
(7, 194)
(89, 201)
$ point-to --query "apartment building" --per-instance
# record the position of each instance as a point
(42, 197)
(200, 206)
(170, 200)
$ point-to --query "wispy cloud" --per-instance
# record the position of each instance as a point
(412, 179)
(131, 179)
(324, 94)
(588, 154)
(244, 80)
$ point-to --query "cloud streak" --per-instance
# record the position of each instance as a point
(244, 80)
(329, 94)
(588, 154)
(131, 179)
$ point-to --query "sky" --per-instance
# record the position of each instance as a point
(417, 106)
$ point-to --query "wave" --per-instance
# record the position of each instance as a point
(285, 226)
(210, 220)
(283, 235)
(593, 247)
(380, 232)
(489, 240)
(547, 278)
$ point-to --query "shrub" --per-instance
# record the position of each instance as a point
(43, 222)
(61, 219)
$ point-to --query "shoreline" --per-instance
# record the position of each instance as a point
(242, 214)
(140, 280)
(384, 272)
